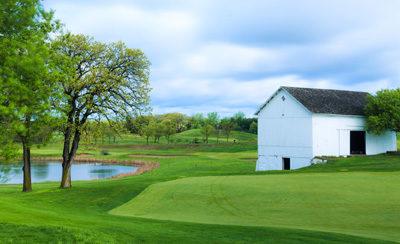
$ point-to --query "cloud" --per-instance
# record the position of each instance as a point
(227, 56)
(228, 96)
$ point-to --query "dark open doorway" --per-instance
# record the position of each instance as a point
(286, 163)
(357, 142)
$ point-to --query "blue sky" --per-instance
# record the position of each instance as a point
(226, 56)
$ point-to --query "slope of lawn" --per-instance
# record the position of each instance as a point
(365, 204)
(49, 214)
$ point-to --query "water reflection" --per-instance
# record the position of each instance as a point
(51, 171)
(41, 170)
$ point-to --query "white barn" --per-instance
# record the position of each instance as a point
(297, 124)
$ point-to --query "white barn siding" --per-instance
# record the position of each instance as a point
(331, 135)
(284, 131)
(376, 144)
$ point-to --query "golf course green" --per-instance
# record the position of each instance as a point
(364, 203)
(213, 195)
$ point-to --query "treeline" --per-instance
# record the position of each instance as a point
(156, 126)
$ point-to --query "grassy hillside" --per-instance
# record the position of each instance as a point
(211, 208)
(352, 203)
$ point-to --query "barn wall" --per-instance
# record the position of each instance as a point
(331, 136)
(284, 130)
(376, 144)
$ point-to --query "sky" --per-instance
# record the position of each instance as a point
(227, 56)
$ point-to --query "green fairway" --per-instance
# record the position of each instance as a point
(213, 195)
(355, 203)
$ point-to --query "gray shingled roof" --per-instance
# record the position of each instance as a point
(328, 101)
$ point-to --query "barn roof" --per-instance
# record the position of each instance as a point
(327, 101)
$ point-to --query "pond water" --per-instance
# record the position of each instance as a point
(51, 171)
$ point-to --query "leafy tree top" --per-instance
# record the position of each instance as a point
(383, 111)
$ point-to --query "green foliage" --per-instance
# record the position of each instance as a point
(213, 118)
(207, 130)
(107, 80)
(169, 128)
(159, 131)
(253, 127)
(129, 124)
(103, 79)
(239, 115)
(26, 77)
(148, 131)
(227, 127)
(25, 68)
(383, 111)
(196, 121)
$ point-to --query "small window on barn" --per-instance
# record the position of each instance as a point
(283, 98)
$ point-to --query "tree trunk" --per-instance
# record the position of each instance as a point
(68, 158)
(147, 140)
(27, 185)
(114, 139)
(66, 175)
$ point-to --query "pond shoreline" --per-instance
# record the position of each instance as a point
(142, 166)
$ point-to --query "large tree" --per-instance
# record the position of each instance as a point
(99, 79)
(25, 83)
(383, 111)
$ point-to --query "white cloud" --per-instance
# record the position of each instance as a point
(217, 58)
(227, 56)
(228, 96)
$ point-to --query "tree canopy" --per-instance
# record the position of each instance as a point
(102, 79)
(26, 82)
(383, 111)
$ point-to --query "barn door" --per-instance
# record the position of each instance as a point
(286, 163)
(357, 142)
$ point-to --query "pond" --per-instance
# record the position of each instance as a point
(51, 171)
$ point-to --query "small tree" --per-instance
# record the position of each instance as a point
(169, 128)
(383, 111)
(227, 126)
(148, 131)
(207, 130)
(213, 119)
(253, 127)
(159, 131)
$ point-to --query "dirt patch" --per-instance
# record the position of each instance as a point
(143, 169)
(156, 156)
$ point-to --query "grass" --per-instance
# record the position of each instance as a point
(206, 197)
(335, 202)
